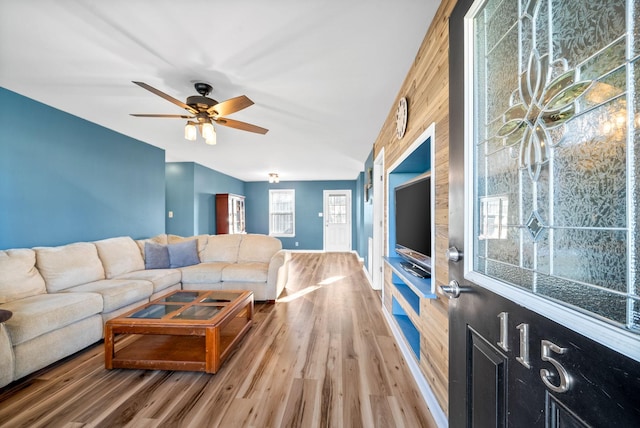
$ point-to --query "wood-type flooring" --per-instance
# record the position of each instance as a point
(322, 356)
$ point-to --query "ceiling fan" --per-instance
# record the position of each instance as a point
(203, 111)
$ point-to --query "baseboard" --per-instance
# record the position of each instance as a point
(425, 390)
(369, 279)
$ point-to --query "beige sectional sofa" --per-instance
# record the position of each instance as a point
(60, 297)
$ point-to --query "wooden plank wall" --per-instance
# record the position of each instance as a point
(426, 89)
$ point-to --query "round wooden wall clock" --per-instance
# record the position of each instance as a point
(401, 117)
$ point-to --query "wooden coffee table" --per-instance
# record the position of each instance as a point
(183, 330)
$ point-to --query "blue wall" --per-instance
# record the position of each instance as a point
(64, 179)
(191, 190)
(179, 196)
(309, 200)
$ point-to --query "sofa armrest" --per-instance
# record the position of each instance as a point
(7, 358)
(278, 273)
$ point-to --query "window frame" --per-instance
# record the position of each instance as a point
(291, 192)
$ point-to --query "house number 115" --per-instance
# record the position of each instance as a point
(547, 351)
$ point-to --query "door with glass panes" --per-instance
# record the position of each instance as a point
(543, 225)
(337, 220)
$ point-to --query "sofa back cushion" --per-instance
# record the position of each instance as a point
(119, 256)
(69, 265)
(158, 239)
(258, 248)
(221, 248)
(19, 277)
(201, 240)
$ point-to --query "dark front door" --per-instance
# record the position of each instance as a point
(526, 281)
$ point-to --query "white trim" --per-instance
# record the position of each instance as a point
(423, 386)
(378, 222)
(430, 132)
(427, 134)
(366, 274)
(622, 341)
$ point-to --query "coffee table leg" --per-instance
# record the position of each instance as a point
(212, 352)
(108, 347)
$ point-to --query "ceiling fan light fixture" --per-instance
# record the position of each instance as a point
(208, 132)
(190, 132)
(274, 178)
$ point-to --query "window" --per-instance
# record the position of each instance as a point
(282, 213)
(337, 207)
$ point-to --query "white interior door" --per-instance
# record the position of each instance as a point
(337, 220)
(378, 222)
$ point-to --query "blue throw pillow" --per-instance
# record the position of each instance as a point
(156, 256)
(183, 254)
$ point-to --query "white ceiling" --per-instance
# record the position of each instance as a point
(323, 74)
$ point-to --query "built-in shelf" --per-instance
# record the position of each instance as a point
(409, 331)
(420, 286)
(412, 298)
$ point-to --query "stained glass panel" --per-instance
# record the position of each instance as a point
(557, 152)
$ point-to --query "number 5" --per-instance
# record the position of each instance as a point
(565, 379)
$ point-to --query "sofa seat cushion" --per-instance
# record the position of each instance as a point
(19, 277)
(203, 273)
(119, 255)
(246, 272)
(117, 293)
(258, 248)
(36, 315)
(160, 278)
(69, 265)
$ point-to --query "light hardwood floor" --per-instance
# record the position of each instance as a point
(322, 356)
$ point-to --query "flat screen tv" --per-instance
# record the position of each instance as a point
(413, 225)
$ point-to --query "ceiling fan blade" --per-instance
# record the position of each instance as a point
(241, 125)
(170, 116)
(166, 97)
(231, 105)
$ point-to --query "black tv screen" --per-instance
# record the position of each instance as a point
(413, 221)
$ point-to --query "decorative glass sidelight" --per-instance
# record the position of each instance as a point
(556, 130)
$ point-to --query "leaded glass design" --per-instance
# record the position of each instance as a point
(557, 150)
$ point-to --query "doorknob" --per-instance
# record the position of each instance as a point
(452, 291)
(453, 254)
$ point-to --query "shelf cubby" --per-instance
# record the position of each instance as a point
(421, 287)
(409, 331)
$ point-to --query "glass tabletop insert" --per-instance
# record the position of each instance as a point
(187, 305)
(198, 313)
(155, 311)
(220, 297)
(181, 296)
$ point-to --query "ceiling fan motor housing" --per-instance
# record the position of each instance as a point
(201, 103)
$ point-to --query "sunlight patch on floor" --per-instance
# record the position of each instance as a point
(331, 280)
(298, 294)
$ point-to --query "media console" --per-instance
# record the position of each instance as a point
(415, 270)
(406, 311)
